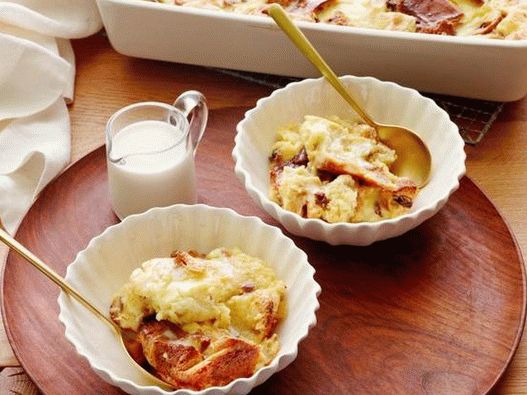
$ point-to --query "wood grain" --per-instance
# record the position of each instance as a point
(107, 81)
(435, 311)
(14, 381)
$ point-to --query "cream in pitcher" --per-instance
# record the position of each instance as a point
(150, 153)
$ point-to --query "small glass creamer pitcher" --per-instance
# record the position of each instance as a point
(150, 150)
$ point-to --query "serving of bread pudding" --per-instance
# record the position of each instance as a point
(501, 19)
(338, 171)
(202, 320)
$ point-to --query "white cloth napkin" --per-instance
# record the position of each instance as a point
(37, 71)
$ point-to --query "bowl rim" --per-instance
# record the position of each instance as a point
(279, 361)
(271, 206)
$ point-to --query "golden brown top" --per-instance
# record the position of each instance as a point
(202, 320)
(501, 19)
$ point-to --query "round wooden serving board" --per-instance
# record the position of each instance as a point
(439, 310)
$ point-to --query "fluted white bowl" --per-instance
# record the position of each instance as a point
(386, 102)
(108, 260)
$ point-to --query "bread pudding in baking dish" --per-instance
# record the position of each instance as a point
(502, 19)
(338, 171)
(201, 320)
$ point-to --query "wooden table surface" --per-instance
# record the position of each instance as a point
(107, 81)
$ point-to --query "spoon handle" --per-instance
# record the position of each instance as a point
(8, 240)
(307, 49)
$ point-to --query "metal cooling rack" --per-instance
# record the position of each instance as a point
(473, 117)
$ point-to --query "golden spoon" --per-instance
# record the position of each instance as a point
(69, 290)
(413, 157)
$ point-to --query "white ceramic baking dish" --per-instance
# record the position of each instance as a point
(462, 66)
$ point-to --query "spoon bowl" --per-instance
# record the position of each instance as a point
(414, 160)
(413, 156)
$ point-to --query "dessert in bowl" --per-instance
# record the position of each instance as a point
(338, 171)
(103, 272)
(201, 320)
(389, 103)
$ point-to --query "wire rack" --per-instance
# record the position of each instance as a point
(473, 117)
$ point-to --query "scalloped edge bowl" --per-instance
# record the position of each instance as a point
(388, 103)
(105, 265)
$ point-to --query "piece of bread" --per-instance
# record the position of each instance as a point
(192, 360)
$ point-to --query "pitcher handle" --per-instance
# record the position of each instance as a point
(194, 104)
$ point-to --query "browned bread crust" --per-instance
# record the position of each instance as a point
(192, 360)
(433, 16)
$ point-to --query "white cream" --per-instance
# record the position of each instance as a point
(139, 182)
